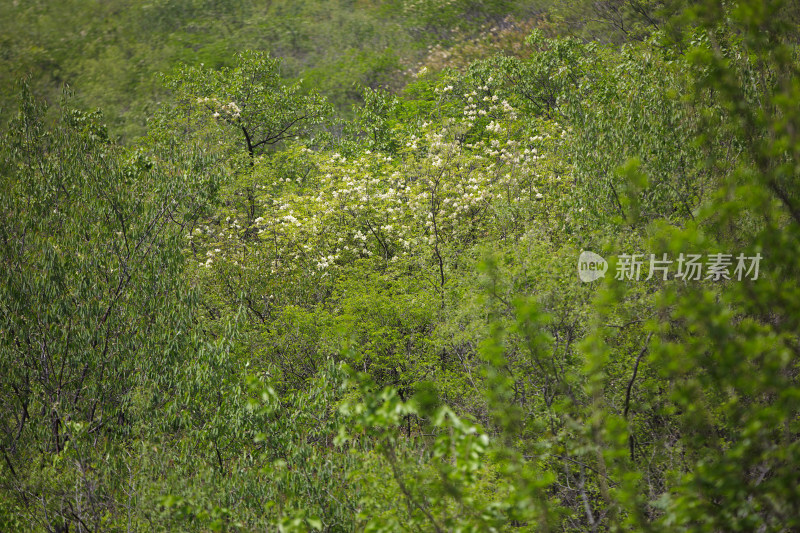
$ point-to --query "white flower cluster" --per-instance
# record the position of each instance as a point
(494, 127)
(230, 111)
(371, 207)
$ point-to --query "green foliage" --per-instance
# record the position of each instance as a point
(251, 100)
(95, 318)
(374, 120)
(266, 315)
(112, 51)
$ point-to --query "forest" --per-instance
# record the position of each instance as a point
(400, 265)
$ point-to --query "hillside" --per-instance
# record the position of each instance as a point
(446, 265)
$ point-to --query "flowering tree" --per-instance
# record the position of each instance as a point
(251, 98)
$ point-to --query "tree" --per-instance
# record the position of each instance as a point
(252, 99)
(93, 315)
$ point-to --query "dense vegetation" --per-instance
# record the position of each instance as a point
(316, 267)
